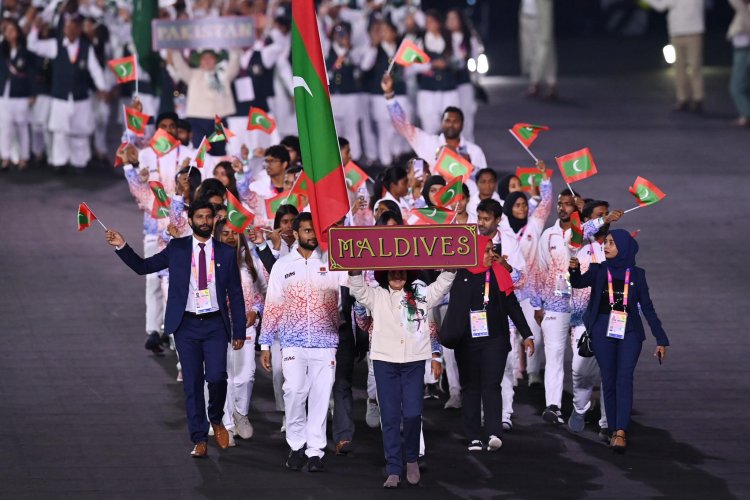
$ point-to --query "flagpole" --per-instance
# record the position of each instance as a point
(536, 160)
(634, 208)
(571, 189)
(393, 59)
(135, 56)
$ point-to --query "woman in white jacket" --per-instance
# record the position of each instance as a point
(400, 345)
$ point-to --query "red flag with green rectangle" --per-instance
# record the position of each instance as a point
(577, 165)
(528, 132)
(162, 142)
(160, 208)
(409, 53)
(221, 133)
(525, 174)
(434, 215)
(238, 217)
(135, 121)
(302, 184)
(576, 230)
(355, 176)
(451, 164)
(646, 192)
(124, 68)
(319, 144)
(120, 150)
(285, 198)
(258, 119)
(200, 156)
(451, 193)
(85, 217)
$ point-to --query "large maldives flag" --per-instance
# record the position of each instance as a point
(321, 158)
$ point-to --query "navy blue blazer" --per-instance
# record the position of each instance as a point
(596, 278)
(177, 257)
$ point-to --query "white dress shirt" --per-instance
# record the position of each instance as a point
(191, 307)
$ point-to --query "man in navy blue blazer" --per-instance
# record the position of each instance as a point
(205, 311)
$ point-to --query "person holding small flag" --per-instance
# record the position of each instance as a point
(205, 311)
(619, 294)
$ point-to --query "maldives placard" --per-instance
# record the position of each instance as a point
(434, 246)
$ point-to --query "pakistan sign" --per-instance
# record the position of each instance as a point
(229, 32)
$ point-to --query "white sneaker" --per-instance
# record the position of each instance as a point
(494, 443)
(283, 424)
(242, 425)
(231, 439)
(372, 417)
(454, 401)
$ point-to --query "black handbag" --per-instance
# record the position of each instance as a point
(584, 345)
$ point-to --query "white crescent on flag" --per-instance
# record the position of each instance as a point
(450, 167)
(575, 168)
(229, 215)
(452, 192)
(434, 212)
(298, 81)
(644, 193)
(122, 70)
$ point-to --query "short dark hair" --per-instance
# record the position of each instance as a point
(167, 115)
(184, 125)
(304, 216)
(567, 192)
(589, 207)
(453, 109)
(279, 152)
(281, 212)
(388, 216)
(490, 206)
(392, 206)
(392, 175)
(292, 142)
(489, 171)
(465, 189)
(343, 141)
(199, 205)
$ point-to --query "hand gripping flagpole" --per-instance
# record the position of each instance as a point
(536, 160)
(634, 208)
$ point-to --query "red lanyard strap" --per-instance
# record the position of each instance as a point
(624, 290)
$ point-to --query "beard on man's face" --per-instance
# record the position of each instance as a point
(204, 231)
(310, 244)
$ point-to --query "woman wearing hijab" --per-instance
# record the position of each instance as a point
(512, 184)
(476, 326)
(618, 291)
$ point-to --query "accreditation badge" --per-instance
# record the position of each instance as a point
(478, 322)
(202, 301)
(562, 285)
(616, 325)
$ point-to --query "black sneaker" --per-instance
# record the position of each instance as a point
(431, 391)
(552, 415)
(296, 459)
(152, 343)
(164, 339)
(315, 464)
(476, 445)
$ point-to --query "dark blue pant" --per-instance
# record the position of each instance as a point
(205, 127)
(400, 393)
(617, 360)
(203, 343)
(343, 411)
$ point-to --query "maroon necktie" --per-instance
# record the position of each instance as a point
(202, 276)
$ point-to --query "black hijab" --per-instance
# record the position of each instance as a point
(433, 180)
(502, 186)
(516, 223)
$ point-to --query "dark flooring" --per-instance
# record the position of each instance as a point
(85, 412)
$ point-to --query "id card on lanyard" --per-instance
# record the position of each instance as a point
(617, 319)
(202, 298)
(478, 319)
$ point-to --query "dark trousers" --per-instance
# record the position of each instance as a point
(400, 394)
(481, 363)
(343, 408)
(203, 342)
(617, 360)
(205, 127)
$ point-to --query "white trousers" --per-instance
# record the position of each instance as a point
(241, 369)
(253, 139)
(430, 107)
(586, 377)
(101, 118)
(14, 128)
(507, 384)
(535, 363)
(468, 104)
(308, 380)
(367, 126)
(154, 295)
(277, 375)
(556, 333)
(66, 117)
(390, 143)
(538, 56)
(41, 137)
(346, 114)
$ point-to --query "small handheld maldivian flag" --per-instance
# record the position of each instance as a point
(86, 217)
(451, 193)
(160, 208)
(162, 142)
(200, 156)
(135, 121)
(221, 133)
(434, 215)
(450, 164)
(354, 176)
(124, 68)
(645, 192)
(409, 53)
(285, 198)
(527, 174)
(577, 165)
(527, 132)
(258, 119)
(120, 150)
(238, 217)
(301, 184)
(576, 230)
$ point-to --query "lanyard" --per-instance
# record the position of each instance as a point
(520, 234)
(624, 290)
(593, 254)
(194, 269)
(486, 288)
